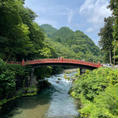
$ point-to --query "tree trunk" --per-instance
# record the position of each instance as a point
(110, 58)
(114, 52)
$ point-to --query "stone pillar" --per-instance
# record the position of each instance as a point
(31, 76)
(82, 71)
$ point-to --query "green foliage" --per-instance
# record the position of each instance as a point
(114, 7)
(43, 72)
(14, 38)
(106, 39)
(97, 91)
(77, 74)
(60, 50)
(12, 78)
(20, 36)
(8, 78)
(104, 105)
(69, 44)
(48, 29)
(115, 51)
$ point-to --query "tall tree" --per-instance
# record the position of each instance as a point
(70, 44)
(106, 38)
(20, 36)
(114, 7)
(14, 39)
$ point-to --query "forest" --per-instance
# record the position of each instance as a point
(70, 44)
(22, 38)
(96, 91)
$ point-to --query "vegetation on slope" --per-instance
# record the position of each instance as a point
(12, 78)
(109, 35)
(48, 29)
(20, 38)
(70, 44)
(98, 93)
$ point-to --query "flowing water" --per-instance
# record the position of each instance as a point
(54, 102)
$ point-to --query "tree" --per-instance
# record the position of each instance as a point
(20, 37)
(106, 38)
(70, 44)
(114, 7)
(14, 39)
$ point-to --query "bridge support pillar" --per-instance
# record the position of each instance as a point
(82, 71)
(31, 77)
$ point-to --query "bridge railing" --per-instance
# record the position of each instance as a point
(56, 60)
(14, 62)
(61, 60)
(82, 62)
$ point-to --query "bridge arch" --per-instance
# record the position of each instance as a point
(62, 61)
(59, 61)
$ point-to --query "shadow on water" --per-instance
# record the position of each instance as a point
(53, 102)
(12, 108)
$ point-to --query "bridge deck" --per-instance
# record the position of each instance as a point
(58, 61)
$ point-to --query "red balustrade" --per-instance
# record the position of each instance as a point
(58, 60)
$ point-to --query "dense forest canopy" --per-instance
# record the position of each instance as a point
(20, 37)
(48, 29)
(109, 35)
(70, 44)
(97, 91)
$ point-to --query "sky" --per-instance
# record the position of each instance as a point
(85, 15)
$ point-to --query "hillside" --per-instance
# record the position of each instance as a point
(70, 44)
(48, 29)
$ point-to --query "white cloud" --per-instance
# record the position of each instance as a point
(56, 11)
(51, 13)
(88, 4)
(46, 21)
(95, 11)
(70, 15)
(89, 30)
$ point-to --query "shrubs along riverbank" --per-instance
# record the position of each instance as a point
(15, 81)
(97, 91)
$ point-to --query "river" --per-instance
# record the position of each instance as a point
(54, 102)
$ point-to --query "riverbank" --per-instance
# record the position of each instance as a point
(52, 102)
(17, 81)
(67, 71)
(97, 91)
(26, 92)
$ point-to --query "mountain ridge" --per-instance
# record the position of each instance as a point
(71, 44)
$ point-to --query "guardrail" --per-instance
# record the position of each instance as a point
(57, 60)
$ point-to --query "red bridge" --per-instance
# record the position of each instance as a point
(61, 61)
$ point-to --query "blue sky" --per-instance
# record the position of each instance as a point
(85, 15)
